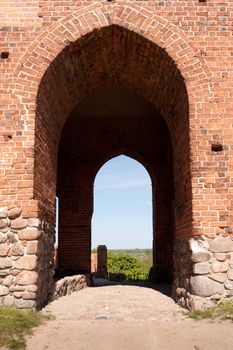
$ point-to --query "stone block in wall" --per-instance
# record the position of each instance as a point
(218, 277)
(3, 212)
(3, 237)
(230, 274)
(27, 262)
(4, 249)
(14, 213)
(29, 234)
(18, 224)
(3, 223)
(205, 287)
(201, 268)
(27, 277)
(221, 245)
(25, 304)
(17, 249)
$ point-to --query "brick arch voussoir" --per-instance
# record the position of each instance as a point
(158, 30)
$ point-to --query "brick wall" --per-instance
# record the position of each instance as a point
(177, 54)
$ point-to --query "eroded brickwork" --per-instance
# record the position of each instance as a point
(176, 54)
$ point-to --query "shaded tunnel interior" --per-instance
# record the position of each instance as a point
(109, 122)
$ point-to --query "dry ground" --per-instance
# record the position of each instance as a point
(120, 317)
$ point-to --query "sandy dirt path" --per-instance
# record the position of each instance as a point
(122, 317)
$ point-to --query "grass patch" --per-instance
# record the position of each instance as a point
(16, 324)
(223, 311)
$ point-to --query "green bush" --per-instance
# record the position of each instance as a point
(127, 264)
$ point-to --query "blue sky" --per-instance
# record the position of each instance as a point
(122, 205)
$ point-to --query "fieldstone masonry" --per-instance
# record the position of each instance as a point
(70, 284)
(25, 256)
(209, 262)
(84, 81)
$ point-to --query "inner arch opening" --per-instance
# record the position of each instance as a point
(122, 222)
(122, 217)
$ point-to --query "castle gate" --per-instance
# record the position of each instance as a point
(104, 80)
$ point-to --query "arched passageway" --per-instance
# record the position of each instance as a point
(112, 121)
(180, 135)
(112, 92)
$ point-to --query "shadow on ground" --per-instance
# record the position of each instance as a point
(163, 288)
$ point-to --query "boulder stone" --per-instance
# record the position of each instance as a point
(4, 249)
(15, 272)
(17, 295)
(11, 237)
(26, 262)
(32, 247)
(34, 222)
(205, 287)
(14, 213)
(3, 291)
(29, 295)
(229, 293)
(220, 256)
(18, 224)
(25, 304)
(4, 273)
(5, 263)
(32, 288)
(201, 256)
(221, 245)
(224, 266)
(9, 300)
(29, 234)
(199, 253)
(201, 268)
(17, 249)
(16, 288)
(230, 274)
(8, 281)
(3, 223)
(216, 267)
(27, 277)
(3, 212)
(229, 285)
(216, 297)
(3, 237)
(218, 277)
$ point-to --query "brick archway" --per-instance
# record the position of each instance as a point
(137, 50)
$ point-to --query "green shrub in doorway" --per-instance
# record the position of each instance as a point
(127, 264)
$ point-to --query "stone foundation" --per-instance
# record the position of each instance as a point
(203, 271)
(203, 266)
(70, 284)
(26, 266)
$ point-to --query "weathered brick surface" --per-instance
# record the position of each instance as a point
(176, 54)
